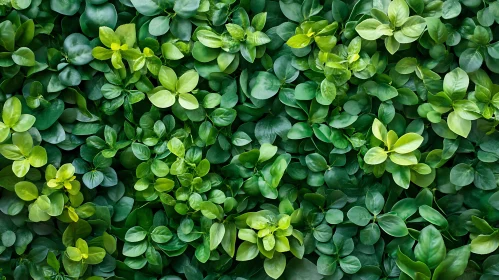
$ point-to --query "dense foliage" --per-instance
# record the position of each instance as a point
(252, 139)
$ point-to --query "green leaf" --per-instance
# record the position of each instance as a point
(11, 112)
(257, 38)
(209, 39)
(188, 101)
(451, 9)
(135, 234)
(370, 234)
(398, 12)
(277, 169)
(323, 233)
(408, 159)
(20, 4)
(53, 262)
(26, 191)
(325, 43)
(392, 45)
(188, 81)
(209, 210)
(47, 117)
(484, 177)
(24, 57)
(146, 7)
(407, 143)
(11, 152)
(159, 168)
(381, 90)
(23, 141)
(300, 131)
(306, 91)
(437, 30)
(456, 83)
(24, 123)
(413, 27)
(371, 29)
(159, 26)
(101, 53)
(470, 60)
(170, 51)
(316, 162)
(275, 267)
(393, 225)
(374, 202)
(462, 175)
(134, 249)
(8, 238)
(236, 31)
(240, 138)
(433, 216)
(431, 247)
(223, 116)
(78, 49)
(74, 254)
(265, 85)
(217, 232)
(327, 93)
(267, 129)
(141, 151)
(7, 35)
(20, 167)
(454, 264)
(38, 157)
(109, 242)
(350, 264)
(247, 251)
(229, 239)
(342, 120)
(284, 70)
(458, 125)
(176, 147)
(186, 8)
(379, 130)
(334, 216)
(406, 65)
(67, 8)
(326, 265)
(375, 155)
(410, 267)
(93, 178)
(359, 215)
(168, 78)
(25, 33)
(161, 98)
(299, 41)
(485, 244)
(95, 255)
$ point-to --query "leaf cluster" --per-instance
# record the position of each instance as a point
(249, 139)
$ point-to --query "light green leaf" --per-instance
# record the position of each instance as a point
(375, 155)
(407, 143)
(26, 191)
(188, 101)
(275, 267)
(458, 125)
(217, 232)
(369, 29)
(398, 12)
(485, 244)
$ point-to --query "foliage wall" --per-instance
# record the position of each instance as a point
(252, 139)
